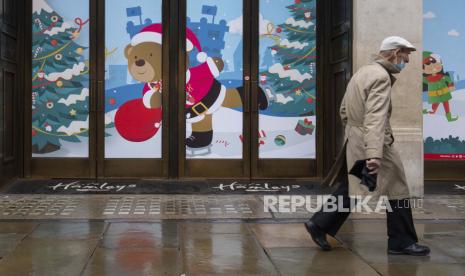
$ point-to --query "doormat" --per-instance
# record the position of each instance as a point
(70, 186)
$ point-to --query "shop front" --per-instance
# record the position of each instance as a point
(184, 89)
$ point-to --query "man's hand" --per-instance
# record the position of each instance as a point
(373, 165)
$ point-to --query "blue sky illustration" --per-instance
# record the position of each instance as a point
(116, 19)
(444, 32)
(69, 10)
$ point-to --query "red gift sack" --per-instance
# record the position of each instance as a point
(137, 123)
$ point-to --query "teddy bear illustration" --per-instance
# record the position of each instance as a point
(204, 93)
(438, 84)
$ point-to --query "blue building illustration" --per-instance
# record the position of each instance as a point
(210, 34)
(131, 28)
(238, 55)
(459, 83)
(117, 75)
(233, 76)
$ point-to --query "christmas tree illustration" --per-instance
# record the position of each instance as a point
(60, 92)
(291, 77)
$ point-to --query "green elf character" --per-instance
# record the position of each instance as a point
(439, 84)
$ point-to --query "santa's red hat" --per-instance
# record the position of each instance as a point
(153, 33)
(192, 41)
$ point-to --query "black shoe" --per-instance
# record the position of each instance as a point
(414, 250)
(199, 139)
(318, 235)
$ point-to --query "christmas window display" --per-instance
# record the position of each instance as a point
(214, 86)
(443, 83)
(288, 78)
(133, 79)
(60, 78)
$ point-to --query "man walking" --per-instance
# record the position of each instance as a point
(365, 111)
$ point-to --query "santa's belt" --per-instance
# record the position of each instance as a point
(207, 101)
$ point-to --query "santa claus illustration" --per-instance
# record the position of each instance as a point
(204, 94)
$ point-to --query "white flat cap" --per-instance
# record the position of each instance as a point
(396, 42)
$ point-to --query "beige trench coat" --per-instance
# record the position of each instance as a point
(365, 112)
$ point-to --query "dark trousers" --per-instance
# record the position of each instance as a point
(400, 228)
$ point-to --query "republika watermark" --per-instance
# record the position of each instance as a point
(329, 203)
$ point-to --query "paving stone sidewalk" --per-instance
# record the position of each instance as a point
(211, 235)
(177, 247)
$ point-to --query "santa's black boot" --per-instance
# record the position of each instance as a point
(199, 139)
(262, 99)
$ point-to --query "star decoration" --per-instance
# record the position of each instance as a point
(72, 112)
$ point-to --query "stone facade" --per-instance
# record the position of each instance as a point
(373, 21)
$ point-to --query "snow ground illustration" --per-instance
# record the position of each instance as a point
(433, 122)
(226, 140)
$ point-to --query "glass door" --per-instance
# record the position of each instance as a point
(61, 110)
(96, 89)
(132, 91)
(286, 70)
(125, 89)
(215, 117)
(250, 89)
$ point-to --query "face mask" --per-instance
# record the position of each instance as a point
(400, 65)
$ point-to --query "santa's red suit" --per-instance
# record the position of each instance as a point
(136, 121)
(204, 94)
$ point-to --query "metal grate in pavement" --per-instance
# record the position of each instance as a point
(175, 205)
(147, 207)
(130, 207)
(37, 206)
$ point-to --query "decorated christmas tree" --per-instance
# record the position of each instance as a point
(291, 79)
(60, 90)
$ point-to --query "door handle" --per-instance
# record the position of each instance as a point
(100, 97)
(254, 88)
(92, 100)
(246, 96)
